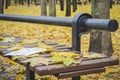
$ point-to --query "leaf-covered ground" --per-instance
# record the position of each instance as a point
(61, 35)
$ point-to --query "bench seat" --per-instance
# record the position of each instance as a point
(86, 66)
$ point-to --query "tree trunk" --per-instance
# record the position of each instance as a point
(111, 2)
(15, 2)
(1, 6)
(74, 3)
(28, 3)
(6, 4)
(52, 8)
(22, 2)
(43, 8)
(62, 5)
(68, 8)
(100, 41)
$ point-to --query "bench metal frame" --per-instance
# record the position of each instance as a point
(81, 23)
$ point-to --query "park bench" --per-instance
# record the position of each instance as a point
(81, 23)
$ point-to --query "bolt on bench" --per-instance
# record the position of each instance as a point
(81, 23)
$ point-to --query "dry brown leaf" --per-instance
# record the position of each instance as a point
(36, 61)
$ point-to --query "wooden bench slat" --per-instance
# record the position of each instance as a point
(64, 47)
(54, 63)
(81, 72)
(51, 63)
(95, 63)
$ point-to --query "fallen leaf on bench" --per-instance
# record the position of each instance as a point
(29, 41)
(67, 61)
(8, 39)
(25, 52)
(34, 55)
(36, 61)
(17, 47)
(18, 57)
(23, 57)
(66, 54)
(58, 59)
(92, 55)
(3, 46)
(49, 48)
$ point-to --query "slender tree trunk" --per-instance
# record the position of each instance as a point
(15, 2)
(28, 1)
(22, 2)
(1, 6)
(62, 5)
(43, 8)
(52, 8)
(111, 1)
(68, 8)
(6, 4)
(100, 41)
(74, 2)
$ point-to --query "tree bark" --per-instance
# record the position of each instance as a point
(28, 2)
(74, 3)
(43, 8)
(1, 6)
(68, 8)
(100, 41)
(52, 8)
(6, 4)
(62, 5)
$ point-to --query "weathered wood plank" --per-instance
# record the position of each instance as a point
(81, 72)
(95, 63)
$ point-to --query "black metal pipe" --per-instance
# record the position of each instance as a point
(86, 22)
(37, 19)
(105, 24)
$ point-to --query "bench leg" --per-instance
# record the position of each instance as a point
(76, 78)
(30, 75)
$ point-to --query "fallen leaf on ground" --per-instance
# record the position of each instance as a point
(19, 77)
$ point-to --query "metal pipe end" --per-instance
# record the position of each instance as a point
(113, 25)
